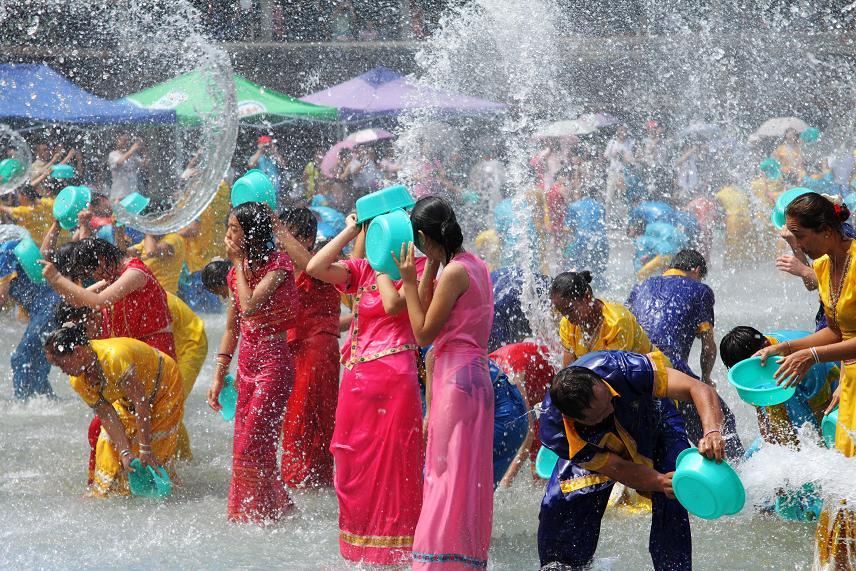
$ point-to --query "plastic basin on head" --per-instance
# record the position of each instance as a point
(782, 203)
(135, 202)
(28, 255)
(228, 398)
(771, 168)
(69, 202)
(810, 135)
(545, 461)
(62, 172)
(828, 426)
(254, 186)
(706, 489)
(9, 169)
(385, 235)
(755, 383)
(383, 201)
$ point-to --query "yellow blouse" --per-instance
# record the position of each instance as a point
(37, 218)
(120, 358)
(619, 332)
(167, 269)
(209, 243)
(846, 306)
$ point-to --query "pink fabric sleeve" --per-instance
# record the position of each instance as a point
(361, 274)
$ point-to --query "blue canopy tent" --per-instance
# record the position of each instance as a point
(36, 93)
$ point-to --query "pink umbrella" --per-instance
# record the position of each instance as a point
(362, 137)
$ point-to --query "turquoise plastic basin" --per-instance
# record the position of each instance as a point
(62, 172)
(706, 489)
(69, 202)
(383, 201)
(9, 169)
(755, 383)
(228, 398)
(810, 135)
(28, 254)
(828, 426)
(135, 202)
(771, 168)
(385, 235)
(545, 461)
(149, 482)
(778, 213)
(254, 186)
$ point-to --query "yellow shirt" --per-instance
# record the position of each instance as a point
(191, 343)
(845, 318)
(167, 269)
(36, 218)
(120, 358)
(209, 243)
(619, 332)
(734, 201)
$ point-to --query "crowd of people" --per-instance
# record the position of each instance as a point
(430, 403)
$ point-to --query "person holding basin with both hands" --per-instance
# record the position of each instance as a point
(816, 225)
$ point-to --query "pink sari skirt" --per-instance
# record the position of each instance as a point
(265, 377)
(457, 506)
(377, 449)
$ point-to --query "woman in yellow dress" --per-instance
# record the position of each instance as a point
(135, 390)
(815, 223)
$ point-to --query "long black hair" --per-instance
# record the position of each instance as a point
(434, 217)
(255, 220)
(91, 254)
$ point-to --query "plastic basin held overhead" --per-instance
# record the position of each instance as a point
(9, 169)
(828, 426)
(386, 234)
(135, 202)
(545, 462)
(69, 202)
(383, 201)
(756, 384)
(28, 254)
(62, 172)
(782, 203)
(706, 489)
(254, 186)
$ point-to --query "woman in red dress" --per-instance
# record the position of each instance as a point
(314, 343)
(261, 310)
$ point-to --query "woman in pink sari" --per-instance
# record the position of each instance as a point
(456, 316)
(377, 440)
(262, 307)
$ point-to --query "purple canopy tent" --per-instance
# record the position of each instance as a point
(383, 92)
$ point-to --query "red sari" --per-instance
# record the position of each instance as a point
(143, 314)
(529, 359)
(265, 377)
(310, 415)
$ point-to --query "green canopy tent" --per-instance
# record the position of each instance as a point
(188, 96)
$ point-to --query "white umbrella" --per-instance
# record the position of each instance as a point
(566, 128)
(598, 120)
(777, 126)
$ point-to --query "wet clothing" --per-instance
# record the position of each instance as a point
(309, 417)
(645, 428)
(30, 368)
(119, 358)
(510, 324)
(674, 309)
(377, 438)
(510, 422)
(264, 381)
(454, 526)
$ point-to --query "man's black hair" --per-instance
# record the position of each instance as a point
(572, 390)
(740, 343)
(687, 260)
